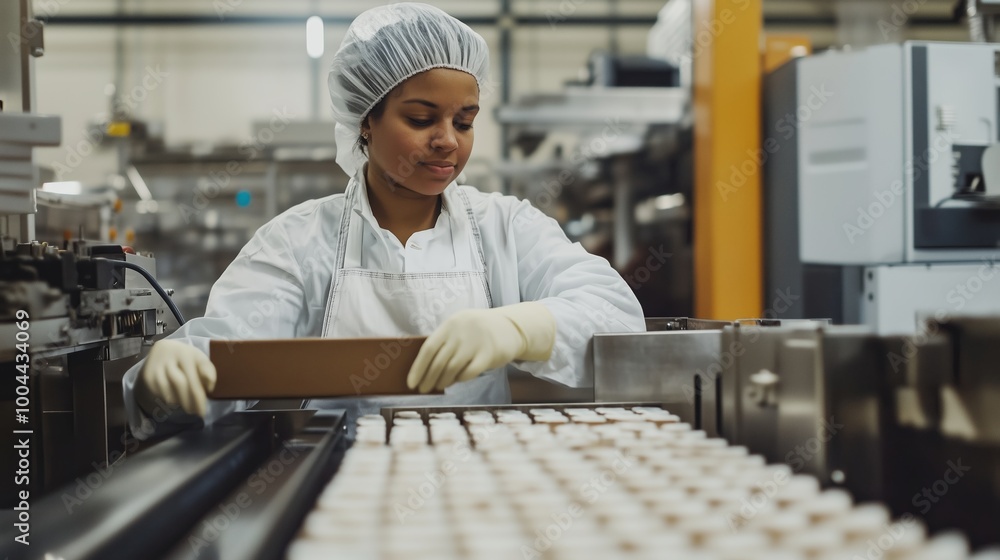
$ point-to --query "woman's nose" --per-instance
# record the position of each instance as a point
(444, 139)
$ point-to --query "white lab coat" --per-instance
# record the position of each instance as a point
(278, 286)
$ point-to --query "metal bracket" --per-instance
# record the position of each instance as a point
(34, 37)
(763, 388)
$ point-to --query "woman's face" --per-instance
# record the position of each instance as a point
(423, 138)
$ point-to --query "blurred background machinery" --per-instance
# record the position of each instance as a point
(886, 233)
(609, 158)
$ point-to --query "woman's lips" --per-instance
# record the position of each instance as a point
(442, 171)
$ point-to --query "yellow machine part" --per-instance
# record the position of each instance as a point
(728, 237)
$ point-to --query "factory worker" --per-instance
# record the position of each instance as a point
(405, 251)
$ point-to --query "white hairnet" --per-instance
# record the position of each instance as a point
(383, 47)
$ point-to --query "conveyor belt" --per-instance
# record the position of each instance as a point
(586, 481)
(159, 498)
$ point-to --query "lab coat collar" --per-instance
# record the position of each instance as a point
(363, 206)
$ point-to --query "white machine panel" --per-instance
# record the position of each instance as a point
(896, 297)
(890, 154)
(850, 157)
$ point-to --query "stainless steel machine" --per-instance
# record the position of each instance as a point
(882, 416)
(73, 315)
(679, 362)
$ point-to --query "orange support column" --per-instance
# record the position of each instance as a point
(728, 257)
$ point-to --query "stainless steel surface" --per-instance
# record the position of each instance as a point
(813, 397)
(12, 59)
(735, 366)
(623, 236)
(582, 107)
(680, 362)
(683, 324)
(672, 368)
(526, 388)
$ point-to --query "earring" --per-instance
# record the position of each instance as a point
(365, 136)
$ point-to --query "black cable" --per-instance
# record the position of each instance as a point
(152, 282)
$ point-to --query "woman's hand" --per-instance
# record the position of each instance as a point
(476, 340)
(177, 374)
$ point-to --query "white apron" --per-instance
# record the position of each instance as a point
(372, 303)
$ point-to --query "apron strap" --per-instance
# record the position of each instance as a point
(350, 223)
(345, 222)
(479, 242)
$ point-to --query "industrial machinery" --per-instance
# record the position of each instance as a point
(678, 361)
(609, 158)
(882, 416)
(601, 480)
(982, 18)
(879, 166)
(237, 489)
(73, 316)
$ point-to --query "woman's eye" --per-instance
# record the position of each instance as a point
(421, 122)
(463, 126)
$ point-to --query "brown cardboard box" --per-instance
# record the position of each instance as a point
(312, 367)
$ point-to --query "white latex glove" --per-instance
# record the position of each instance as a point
(177, 374)
(476, 340)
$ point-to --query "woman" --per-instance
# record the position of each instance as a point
(404, 251)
